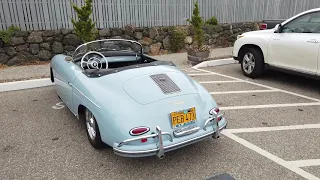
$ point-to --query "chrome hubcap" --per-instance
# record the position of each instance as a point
(248, 63)
(91, 125)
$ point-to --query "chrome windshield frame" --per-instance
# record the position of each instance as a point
(106, 40)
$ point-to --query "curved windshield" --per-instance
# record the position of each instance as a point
(108, 45)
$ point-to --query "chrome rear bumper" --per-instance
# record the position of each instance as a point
(161, 149)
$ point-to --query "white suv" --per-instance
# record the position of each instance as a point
(292, 46)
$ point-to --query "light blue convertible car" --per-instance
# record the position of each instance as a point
(132, 102)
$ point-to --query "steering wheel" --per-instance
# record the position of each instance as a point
(93, 60)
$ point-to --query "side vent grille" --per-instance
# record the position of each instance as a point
(165, 83)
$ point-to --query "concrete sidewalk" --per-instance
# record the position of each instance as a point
(19, 73)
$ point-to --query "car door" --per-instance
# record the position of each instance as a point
(68, 71)
(296, 47)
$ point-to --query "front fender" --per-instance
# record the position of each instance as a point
(257, 39)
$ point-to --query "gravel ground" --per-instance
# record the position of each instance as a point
(42, 71)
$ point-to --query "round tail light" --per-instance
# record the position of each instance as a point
(139, 131)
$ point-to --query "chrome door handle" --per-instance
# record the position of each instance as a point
(313, 41)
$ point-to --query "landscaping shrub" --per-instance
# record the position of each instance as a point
(178, 35)
(212, 21)
(84, 27)
(5, 35)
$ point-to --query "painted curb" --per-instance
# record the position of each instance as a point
(217, 62)
(19, 85)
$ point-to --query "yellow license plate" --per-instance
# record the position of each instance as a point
(182, 118)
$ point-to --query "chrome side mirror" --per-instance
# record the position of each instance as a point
(68, 58)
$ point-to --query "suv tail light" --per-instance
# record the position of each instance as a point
(263, 26)
(139, 131)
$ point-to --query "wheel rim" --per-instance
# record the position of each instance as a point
(248, 63)
(91, 125)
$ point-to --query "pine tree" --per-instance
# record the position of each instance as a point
(197, 22)
(84, 27)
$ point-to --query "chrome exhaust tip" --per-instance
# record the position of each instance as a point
(216, 136)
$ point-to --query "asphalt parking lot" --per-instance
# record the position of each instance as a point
(273, 133)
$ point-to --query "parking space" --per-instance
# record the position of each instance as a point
(313, 170)
(227, 86)
(290, 145)
(273, 133)
(43, 140)
(203, 77)
(281, 116)
(276, 116)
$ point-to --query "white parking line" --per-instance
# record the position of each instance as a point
(270, 156)
(220, 82)
(241, 92)
(269, 106)
(305, 163)
(261, 85)
(276, 128)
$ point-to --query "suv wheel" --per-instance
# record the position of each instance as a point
(252, 63)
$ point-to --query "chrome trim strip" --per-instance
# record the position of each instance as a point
(144, 137)
(187, 132)
(83, 95)
(152, 151)
(136, 139)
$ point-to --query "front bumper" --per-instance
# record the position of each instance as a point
(161, 148)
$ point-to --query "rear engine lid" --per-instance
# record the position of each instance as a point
(150, 88)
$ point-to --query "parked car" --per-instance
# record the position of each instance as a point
(291, 46)
(138, 105)
(270, 23)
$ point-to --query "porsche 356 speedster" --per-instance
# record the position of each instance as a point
(132, 102)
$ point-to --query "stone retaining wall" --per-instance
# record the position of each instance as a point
(43, 45)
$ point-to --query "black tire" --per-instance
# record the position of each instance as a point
(95, 141)
(258, 60)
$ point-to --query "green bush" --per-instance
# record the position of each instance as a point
(84, 27)
(5, 35)
(177, 39)
(212, 21)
